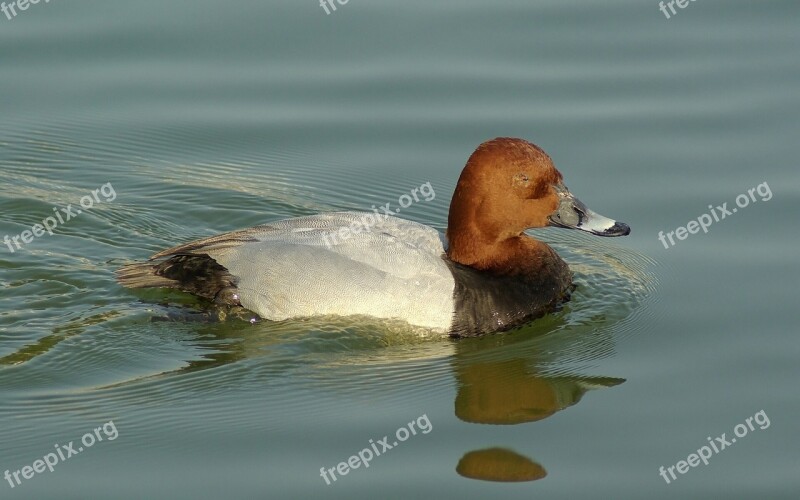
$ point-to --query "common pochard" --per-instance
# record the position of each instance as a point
(487, 275)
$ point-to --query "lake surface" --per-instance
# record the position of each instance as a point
(189, 119)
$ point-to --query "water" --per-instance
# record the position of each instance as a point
(207, 117)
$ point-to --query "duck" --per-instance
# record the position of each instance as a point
(484, 275)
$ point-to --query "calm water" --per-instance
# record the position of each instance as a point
(200, 117)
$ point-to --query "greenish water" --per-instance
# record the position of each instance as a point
(207, 117)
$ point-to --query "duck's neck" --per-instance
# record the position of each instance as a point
(518, 255)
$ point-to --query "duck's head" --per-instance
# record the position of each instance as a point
(508, 186)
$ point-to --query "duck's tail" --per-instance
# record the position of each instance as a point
(197, 274)
(142, 275)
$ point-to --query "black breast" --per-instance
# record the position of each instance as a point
(487, 302)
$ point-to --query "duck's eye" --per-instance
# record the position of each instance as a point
(521, 179)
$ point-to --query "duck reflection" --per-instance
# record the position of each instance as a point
(510, 389)
(510, 392)
(499, 464)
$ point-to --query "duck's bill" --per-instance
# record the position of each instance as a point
(573, 214)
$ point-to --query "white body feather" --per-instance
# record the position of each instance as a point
(310, 266)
